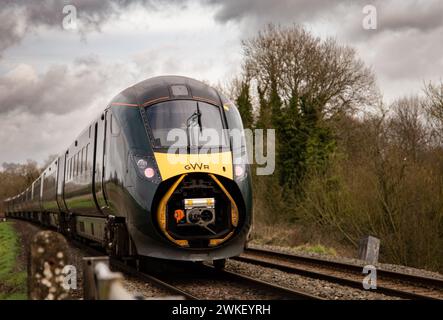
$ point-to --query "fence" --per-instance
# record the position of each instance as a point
(49, 264)
(100, 283)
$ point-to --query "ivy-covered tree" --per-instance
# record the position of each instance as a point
(303, 82)
(245, 105)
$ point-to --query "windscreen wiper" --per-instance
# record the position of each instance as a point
(199, 119)
(197, 115)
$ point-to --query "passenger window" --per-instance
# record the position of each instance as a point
(86, 157)
(81, 162)
(76, 164)
(68, 171)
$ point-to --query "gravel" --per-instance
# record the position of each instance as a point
(358, 262)
(324, 289)
(222, 290)
(212, 289)
(144, 289)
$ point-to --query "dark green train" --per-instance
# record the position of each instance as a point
(128, 183)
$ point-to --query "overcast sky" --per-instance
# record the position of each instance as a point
(53, 80)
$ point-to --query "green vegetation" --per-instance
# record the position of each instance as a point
(347, 165)
(12, 278)
(317, 248)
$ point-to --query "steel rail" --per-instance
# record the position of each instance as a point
(287, 260)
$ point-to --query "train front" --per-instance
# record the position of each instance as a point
(194, 200)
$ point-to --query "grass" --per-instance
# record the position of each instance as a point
(317, 248)
(12, 279)
(295, 237)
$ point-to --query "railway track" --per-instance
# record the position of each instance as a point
(128, 269)
(200, 281)
(390, 283)
(193, 280)
(206, 282)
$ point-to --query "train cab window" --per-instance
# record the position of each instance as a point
(239, 147)
(115, 127)
(186, 115)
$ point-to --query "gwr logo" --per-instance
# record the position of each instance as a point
(196, 166)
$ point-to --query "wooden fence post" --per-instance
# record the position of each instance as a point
(47, 258)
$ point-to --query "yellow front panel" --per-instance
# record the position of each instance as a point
(171, 165)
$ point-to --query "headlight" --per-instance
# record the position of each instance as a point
(239, 170)
(149, 173)
(240, 163)
(147, 168)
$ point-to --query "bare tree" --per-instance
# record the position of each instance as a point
(327, 75)
(433, 104)
(49, 160)
(408, 126)
(14, 178)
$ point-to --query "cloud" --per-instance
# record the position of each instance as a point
(33, 136)
(340, 16)
(12, 28)
(404, 50)
(60, 90)
(421, 16)
(272, 10)
(40, 114)
(20, 17)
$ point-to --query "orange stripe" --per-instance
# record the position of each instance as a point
(124, 104)
(149, 102)
(206, 100)
(154, 100)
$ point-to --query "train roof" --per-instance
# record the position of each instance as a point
(163, 88)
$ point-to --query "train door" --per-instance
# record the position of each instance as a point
(99, 163)
(60, 183)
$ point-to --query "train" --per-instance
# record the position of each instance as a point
(124, 185)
